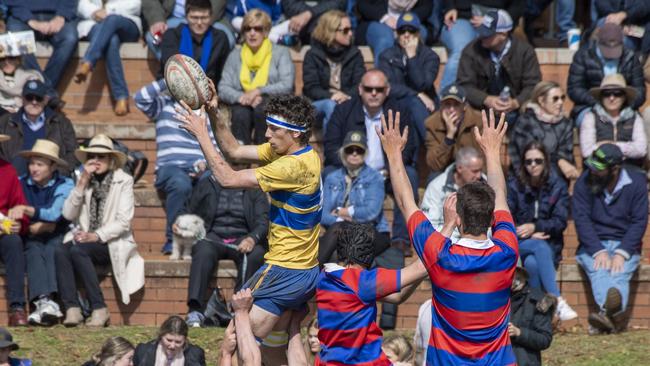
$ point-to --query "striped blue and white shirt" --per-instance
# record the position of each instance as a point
(174, 145)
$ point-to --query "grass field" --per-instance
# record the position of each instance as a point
(62, 346)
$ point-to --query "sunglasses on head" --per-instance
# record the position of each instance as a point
(534, 161)
(373, 89)
(346, 30)
(32, 98)
(558, 97)
(257, 28)
(407, 30)
(612, 93)
(354, 150)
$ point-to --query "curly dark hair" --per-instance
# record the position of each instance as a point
(475, 207)
(355, 243)
(295, 109)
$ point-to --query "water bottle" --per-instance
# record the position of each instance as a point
(505, 94)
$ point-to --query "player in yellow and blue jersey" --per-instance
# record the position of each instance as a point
(290, 172)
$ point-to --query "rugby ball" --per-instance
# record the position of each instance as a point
(187, 81)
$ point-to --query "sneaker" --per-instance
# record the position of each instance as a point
(50, 312)
(35, 317)
(195, 319)
(564, 311)
(167, 249)
(613, 302)
(601, 322)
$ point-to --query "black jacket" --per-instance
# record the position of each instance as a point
(536, 329)
(205, 197)
(349, 116)
(58, 129)
(373, 10)
(586, 72)
(316, 72)
(410, 76)
(291, 8)
(145, 354)
(170, 46)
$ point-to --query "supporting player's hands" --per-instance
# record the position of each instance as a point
(191, 122)
(392, 140)
(491, 139)
(242, 300)
(213, 103)
(229, 343)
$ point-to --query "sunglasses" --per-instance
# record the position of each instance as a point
(32, 98)
(354, 150)
(257, 29)
(346, 30)
(558, 97)
(534, 161)
(97, 156)
(406, 30)
(373, 89)
(612, 93)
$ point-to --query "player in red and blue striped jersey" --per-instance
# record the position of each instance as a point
(347, 295)
(470, 278)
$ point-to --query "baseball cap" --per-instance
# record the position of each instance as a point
(610, 40)
(355, 138)
(453, 91)
(6, 340)
(605, 156)
(35, 87)
(408, 19)
(495, 22)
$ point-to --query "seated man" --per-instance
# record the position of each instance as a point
(610, 210)
(303, 15)
(468, 168)
(179, 160)
(35, 120)
(633, 16)
(450, 128)
(597, 59)
(11, 245)
(347, 296)
(498, 71)
(207, 45)
(363, 113)
(51, 21)
(46, 190)
(162, 15)
(236, 223)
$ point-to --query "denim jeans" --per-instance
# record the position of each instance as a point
(603, 279)
(177, 185)
(564, 12)
(78, 262)
(64, 43)
(455, 39)
(41, 268)
(173, 22)
(537, 257)
(11, 253)
(381, 37)
(105, 39)
(324, 107)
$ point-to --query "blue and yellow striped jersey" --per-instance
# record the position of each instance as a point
(294, 183)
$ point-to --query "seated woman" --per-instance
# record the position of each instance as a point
(101, 207)
(539, 201)
(45, 190)
(333, 66)
(543, 120)
(170, 348)
(613, 120)
(412, 68)
(106, 24)
(116, 351)
(279, 33)
(12, 80)
(251, 74)
(312, 344)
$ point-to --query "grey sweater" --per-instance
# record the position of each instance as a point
(281, 75)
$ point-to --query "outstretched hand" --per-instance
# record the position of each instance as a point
(392, 140)
(491, 139)
(190, 121)
(213, 103)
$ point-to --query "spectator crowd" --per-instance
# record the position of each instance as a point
(66, 210)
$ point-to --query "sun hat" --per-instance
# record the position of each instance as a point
(45, 149)
(6, 340)
(614, 82)
(101, 144)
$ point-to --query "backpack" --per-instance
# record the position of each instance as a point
(136, 161)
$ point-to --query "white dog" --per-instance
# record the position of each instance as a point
(190, 229)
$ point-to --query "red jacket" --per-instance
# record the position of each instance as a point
(11, 193)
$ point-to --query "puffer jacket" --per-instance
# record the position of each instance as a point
(586, 72)
(410, 76)
(551, 203)
(638, 13)
(535, 325)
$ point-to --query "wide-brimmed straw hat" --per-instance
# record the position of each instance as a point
(45, 149)
(101, 144)
(4, 138)
(614, 82)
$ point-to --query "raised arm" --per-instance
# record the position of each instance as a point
(393, 143)
(490, 142)
(410, 278)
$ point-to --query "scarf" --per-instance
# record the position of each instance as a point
(543, 116)
(187, 47)
(162, 360)
(334, 52)
(100, 189)
(258, 63)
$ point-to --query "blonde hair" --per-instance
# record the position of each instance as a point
(400, 346)
(112, 350)
(257, 16)
(328, 24)
(541, 89)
